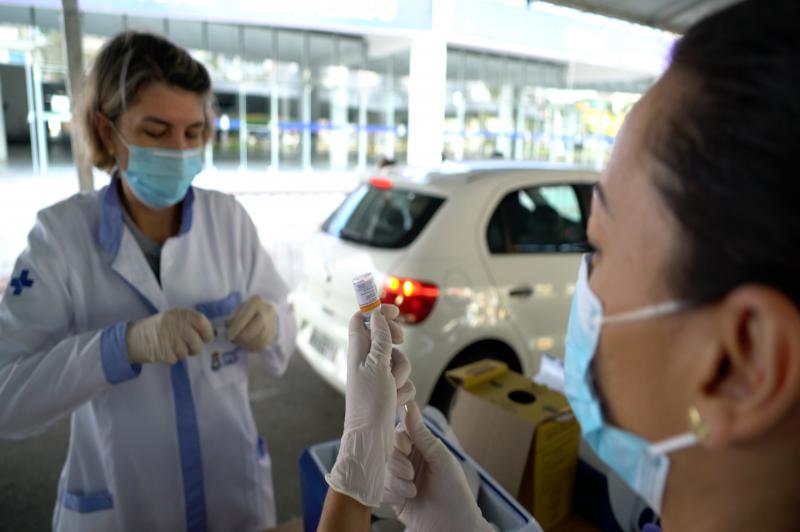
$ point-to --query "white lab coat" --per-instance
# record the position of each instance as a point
(153, 447)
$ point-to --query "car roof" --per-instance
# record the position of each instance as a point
(446, 178)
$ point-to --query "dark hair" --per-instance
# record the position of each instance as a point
(124, 66)
(730, 152)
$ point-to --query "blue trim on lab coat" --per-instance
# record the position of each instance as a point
(109, 230)
(221, 307)
(88, 503)
(114, 355)
(109, 235)
(190, 452)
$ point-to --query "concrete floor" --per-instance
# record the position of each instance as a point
(293, 412)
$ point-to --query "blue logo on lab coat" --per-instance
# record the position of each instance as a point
(21, 282)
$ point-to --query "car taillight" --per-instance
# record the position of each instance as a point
(414, 298)
(382, 183)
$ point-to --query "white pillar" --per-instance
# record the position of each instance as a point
(38, 117)
(506, 119)
(274, 131)
(426, 100)
(71, 26)
(242, 128)
(363, 137)
(3, 140)
(306, 118)
(391, 136)
(519, 141)
(341, 132)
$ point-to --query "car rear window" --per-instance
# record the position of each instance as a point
(382, 217)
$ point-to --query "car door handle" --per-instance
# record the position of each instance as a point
(521, 291)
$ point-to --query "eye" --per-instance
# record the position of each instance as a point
(154, 134)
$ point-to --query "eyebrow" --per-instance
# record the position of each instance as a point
(601, 195)
(162, 122)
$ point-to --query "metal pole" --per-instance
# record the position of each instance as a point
(32, 120)
(71, 26)
(242, 106)
(274, 109)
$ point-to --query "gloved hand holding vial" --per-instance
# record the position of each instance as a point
(368, 303)
(377, 382)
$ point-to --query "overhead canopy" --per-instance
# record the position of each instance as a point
(670, 15)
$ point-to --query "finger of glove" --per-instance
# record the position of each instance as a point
(407, 393)
(165, 353)
(380, 351)
(391, 312)
(402, 442)
(250, 335)
(397, 492)
(392, 499)
(194, 342)
(400, 466)
(421, 437)
(203, 326)
(180, 349)
(398, 335)
(242, 317)
(401, 368)
(358, 341)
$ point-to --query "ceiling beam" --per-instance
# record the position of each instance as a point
(591, 7)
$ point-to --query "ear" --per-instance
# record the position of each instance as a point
(753, 381)
(106, 131)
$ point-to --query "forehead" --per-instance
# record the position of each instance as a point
(636, 233)
(168, 103)
(630, 175)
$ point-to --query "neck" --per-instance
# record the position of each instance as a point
(158, 224)
(732, 489)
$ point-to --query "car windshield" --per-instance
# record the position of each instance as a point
(382, 217)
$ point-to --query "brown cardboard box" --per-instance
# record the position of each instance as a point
(523, 434)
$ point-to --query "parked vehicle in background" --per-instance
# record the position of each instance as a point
(480, 257)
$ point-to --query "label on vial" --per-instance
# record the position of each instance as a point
(366, 293)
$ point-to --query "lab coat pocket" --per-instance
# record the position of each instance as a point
(85, 512)
(224, 364)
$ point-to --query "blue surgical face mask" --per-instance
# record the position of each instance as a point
(642, 465)
(161, 177)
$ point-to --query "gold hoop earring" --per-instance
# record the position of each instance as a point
(699, 427)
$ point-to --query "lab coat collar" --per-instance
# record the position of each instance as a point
(110, 228)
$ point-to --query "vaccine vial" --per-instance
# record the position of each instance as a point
(366, 295)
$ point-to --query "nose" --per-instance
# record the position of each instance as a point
(178, 140)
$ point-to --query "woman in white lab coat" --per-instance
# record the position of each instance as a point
(133, 309)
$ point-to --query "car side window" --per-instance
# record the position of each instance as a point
(545, 219)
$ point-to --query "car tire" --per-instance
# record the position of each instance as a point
(444, 392)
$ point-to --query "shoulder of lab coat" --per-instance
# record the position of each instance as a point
(41, 351)
(261, 278)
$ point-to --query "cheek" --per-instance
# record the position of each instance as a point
(121, 155)
(630, 368)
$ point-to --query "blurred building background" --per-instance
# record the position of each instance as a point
(311, 94)
(317, 85)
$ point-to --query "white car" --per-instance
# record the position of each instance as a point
(480, 257)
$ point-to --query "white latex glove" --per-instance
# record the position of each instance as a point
(426, 485)
(168, 337)
(253, 325)
(377, 375)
